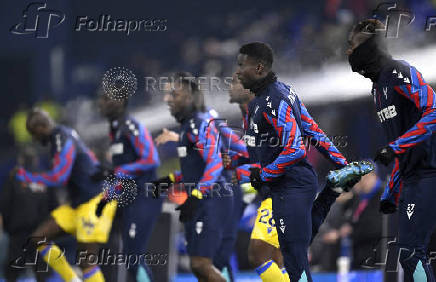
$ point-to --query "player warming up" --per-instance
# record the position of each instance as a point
(406, 108)
(135, 157)
(209, 205)
(73, 165)
(276, 123)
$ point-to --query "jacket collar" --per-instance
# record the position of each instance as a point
(263, 83)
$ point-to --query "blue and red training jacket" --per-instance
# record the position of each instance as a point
(73, 164)
(406, 108)
(277, 126)
(133, 152)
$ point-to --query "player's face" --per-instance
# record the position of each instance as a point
(354, 40)
(237, 92)
(110, 108)
(39, 133)
(247, 70)
(177, 97)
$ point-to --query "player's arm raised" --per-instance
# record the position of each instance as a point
(423, 96)
(318, 138)
(148, 158)
(63, 161)
(289, 133)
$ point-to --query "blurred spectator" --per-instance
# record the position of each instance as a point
(22, 209)
(326, 247)
(366, 221)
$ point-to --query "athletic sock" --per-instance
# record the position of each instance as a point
(93, 275)
(142, 275)
(270, 272)
(55, 258)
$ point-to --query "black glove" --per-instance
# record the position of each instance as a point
(166, 180)
(387, 207)
(100, 206)
(102, 173)
(385, 155)
(255, 179)
(188, 208)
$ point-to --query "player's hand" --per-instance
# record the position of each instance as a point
(103, 171)
(385, 155)
(100, 206)
(190, 206)
(387, 207)
(166, 181)
(227, 161)
(166, 136)
(255, 179)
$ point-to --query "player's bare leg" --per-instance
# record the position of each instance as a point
(41, 239)
(259, 252)
(204, 270)
(48, 230)
(278, 257)
(267, 260)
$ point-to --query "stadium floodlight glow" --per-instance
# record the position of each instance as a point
(119, 83)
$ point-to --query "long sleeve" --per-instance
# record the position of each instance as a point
(423, 96)
(206, 142)
(146, 151)
(233, 145)
(289, 133)
(393, 188)
(61, 171)
(243, 172)
(322, 143)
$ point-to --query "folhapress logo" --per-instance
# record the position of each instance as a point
(38, 20)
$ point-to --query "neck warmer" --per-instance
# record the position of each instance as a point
(261, 84)
(368, 59)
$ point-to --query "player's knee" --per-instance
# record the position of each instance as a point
(200, 265)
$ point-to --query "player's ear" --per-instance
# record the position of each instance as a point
(260, 67)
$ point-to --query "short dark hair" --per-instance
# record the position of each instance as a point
(372, 28)
(37, 117)
(369, 26)
(259, 51)
(190, 81)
